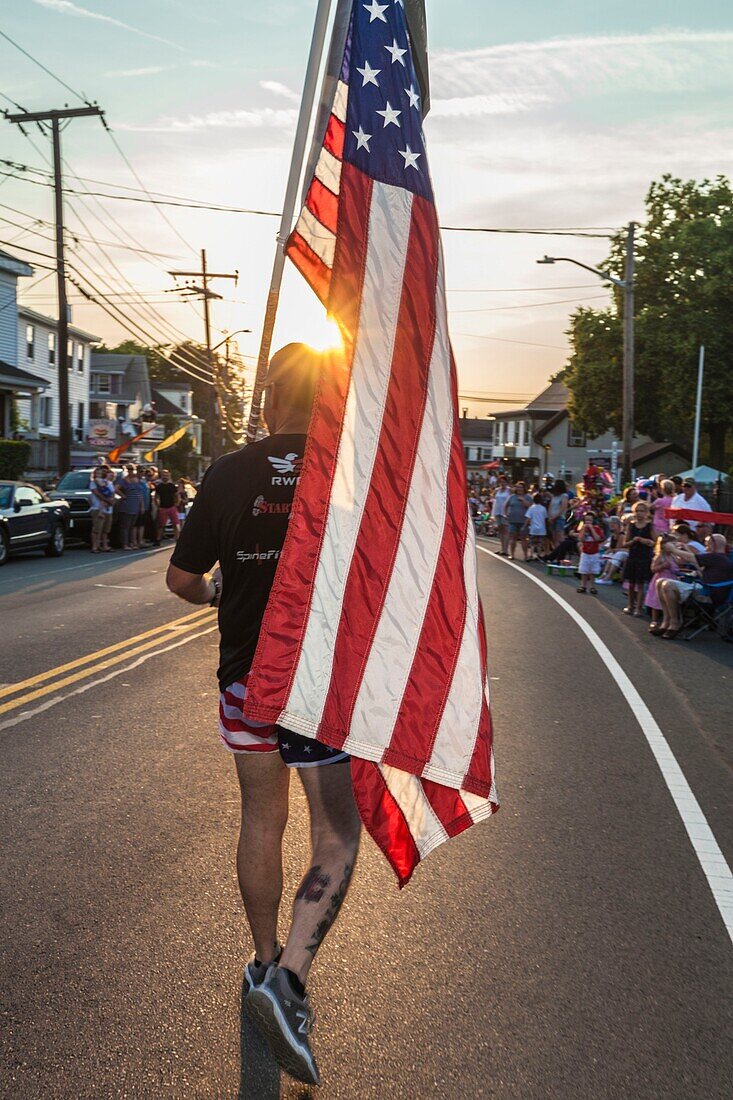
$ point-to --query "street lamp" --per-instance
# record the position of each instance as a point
(627, 286)
(228, 337)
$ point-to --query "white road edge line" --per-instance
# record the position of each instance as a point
(117, 555)
(26, 714)
(706, 847)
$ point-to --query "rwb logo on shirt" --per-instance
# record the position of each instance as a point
(291, 465)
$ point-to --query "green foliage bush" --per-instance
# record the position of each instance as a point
(14, 457)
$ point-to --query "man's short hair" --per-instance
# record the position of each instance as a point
(295, 370)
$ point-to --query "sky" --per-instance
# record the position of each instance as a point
(543, 117)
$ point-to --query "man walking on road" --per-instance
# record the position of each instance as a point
(166, 493)
(239, 518)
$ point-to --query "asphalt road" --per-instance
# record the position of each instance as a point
(571, 947)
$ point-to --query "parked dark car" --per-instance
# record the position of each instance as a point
(30, 520)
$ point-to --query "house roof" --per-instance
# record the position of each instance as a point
(42, 319)
(646, 451)
(183, 387)
(473, 427)
(13, 265)
(554, 398)
(164, 406)
(20, 379)
(136, 382)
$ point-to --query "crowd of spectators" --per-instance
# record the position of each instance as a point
(144, 501)
(659, 560)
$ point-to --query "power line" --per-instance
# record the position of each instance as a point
(45, 69)
(516, 289)
(530, 305)
(503, 340)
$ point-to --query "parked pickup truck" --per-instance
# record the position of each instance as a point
(74, 488)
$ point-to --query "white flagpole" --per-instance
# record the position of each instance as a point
(291, 192)
(698, 408)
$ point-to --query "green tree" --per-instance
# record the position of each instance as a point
(684, 281)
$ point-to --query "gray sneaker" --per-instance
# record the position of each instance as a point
(286, 1021)
(255, 972)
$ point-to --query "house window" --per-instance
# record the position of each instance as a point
(80, 358)
(70, 354)
(51, 348)
(30, 341)
(46, 412)
(576, 438)
(100, 383)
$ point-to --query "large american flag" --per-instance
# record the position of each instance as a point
(373, 640)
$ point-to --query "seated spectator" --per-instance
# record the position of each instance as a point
(683, 533)
(664, 566)
(714, 566)
(613, 556)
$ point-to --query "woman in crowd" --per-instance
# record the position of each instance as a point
(629, 497)
(640, 544)
(516, 514)
(556, 511)
(663, 497)
(664, 565)
(614, 556)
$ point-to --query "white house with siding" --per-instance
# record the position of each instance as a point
(16, 383)
(38, 354)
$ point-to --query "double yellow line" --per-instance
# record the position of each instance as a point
(93, 663)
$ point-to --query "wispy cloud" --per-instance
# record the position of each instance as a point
(148, 70)
(66, 7)
(554, 69)
(277, 88)
(253, 119)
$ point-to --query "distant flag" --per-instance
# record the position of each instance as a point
(167, 442)
(373, 641)
(116, 452)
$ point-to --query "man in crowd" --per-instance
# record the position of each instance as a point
(690, 498)
(516, 514)
(239, 518)
(102, 509)
(130, 507)
(498, 512)
(166, 493)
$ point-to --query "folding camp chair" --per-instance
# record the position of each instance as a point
(701, 613)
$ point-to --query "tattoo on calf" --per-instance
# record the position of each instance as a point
(314, 885)
(331, 913)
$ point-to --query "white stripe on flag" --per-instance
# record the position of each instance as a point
(381, 297)
(340, 101)
(422, 821)
(320, 239)
(328, 171)
(456, 737)
(398, 633)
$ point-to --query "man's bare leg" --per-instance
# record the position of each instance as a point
(264, 783)
(335, 831)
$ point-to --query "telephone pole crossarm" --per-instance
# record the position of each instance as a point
(62, 326)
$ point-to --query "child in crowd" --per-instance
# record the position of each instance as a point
(589, 544)
(663, 566)
(613, 556)
(537, 520)
(640, 544)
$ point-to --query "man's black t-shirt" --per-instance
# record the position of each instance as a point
(240, 518)
(167, 493)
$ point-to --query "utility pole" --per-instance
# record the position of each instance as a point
(62, 328)
(627, 433)
(215, 410)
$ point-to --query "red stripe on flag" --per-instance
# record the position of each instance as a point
(437, 651)
(283, 627)
(323, 204)
(478, 778)
(383, 819)
(381, 523)
(334, 139)
(448, 806)
(311, 266)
